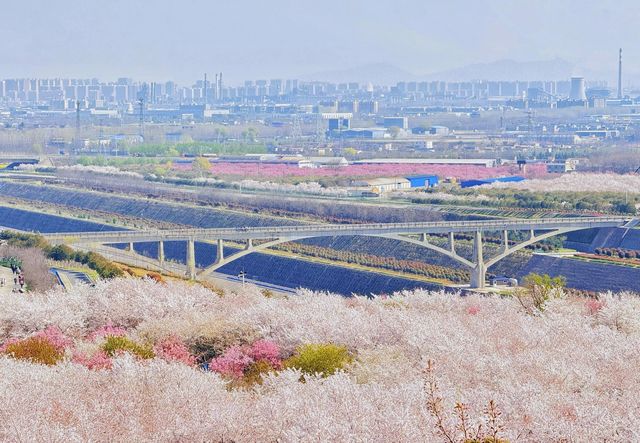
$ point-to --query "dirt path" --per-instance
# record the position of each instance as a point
(8, 277)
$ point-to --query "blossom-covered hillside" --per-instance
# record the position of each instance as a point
(141, 361)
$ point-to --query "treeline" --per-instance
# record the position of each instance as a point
(618, 252)
(197, 148)
(97, 262)
(561, 201)
(329, 210)
(374, 261)
(495, 238)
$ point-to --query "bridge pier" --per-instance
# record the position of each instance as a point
(505, 240)
(414, 233)
(130, 247)
(220, 252)
(479, 272)
(191, 259)
(161, 252)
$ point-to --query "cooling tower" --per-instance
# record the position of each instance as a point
(578, 91)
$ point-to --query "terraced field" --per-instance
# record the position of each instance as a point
(585, 275)
(263, 267)
(211, 217)
(282, 271)
(137, 207)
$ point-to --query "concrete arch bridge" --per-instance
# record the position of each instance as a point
(257, 239)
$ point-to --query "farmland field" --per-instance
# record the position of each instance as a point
(282, 271)
(278, 171)
(585, 275)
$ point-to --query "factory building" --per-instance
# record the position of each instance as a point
(382, 185)
(398, 122)
(568, 165)
(439, 130)
(423, 181)
(488, 181)
(364, 133)
(369, 107)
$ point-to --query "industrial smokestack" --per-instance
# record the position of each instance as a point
(620, 75)
(220, 86)
(216, 91)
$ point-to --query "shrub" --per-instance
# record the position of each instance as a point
(54, 335)
(323, 359)
(246, 364)
(213, 342)
(61, 253)
(268, 351)
(155, 277)
(267, 293)
(36, 349)
(115, 345)
(594, 306)
(232, 363)
(254, 372)
(108, 330)
(24, 240)
(174, 349)
(99, 360)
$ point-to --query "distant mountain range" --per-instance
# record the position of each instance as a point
(504, 70)
(501, 70)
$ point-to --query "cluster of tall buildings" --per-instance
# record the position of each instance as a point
(125, 95)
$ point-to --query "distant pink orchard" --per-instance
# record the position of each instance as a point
(275, 171)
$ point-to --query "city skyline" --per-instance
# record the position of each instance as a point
(297, 40)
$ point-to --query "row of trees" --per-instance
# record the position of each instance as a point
(333, 211)
(618, 252)
(539, 200)
(33, 242)
(197, 148)
(374, 261)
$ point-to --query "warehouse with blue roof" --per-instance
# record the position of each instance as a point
(488, 181)
(423, 181)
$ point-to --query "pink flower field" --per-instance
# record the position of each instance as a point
(134, 360)
(275, 171)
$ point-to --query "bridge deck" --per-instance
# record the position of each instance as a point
(283, 232)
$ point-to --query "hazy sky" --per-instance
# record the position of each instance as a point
(181, 39)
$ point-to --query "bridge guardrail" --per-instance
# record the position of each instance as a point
(514, 224)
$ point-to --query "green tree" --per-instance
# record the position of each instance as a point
(538, 290)
(349, 152)
(202, 166)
